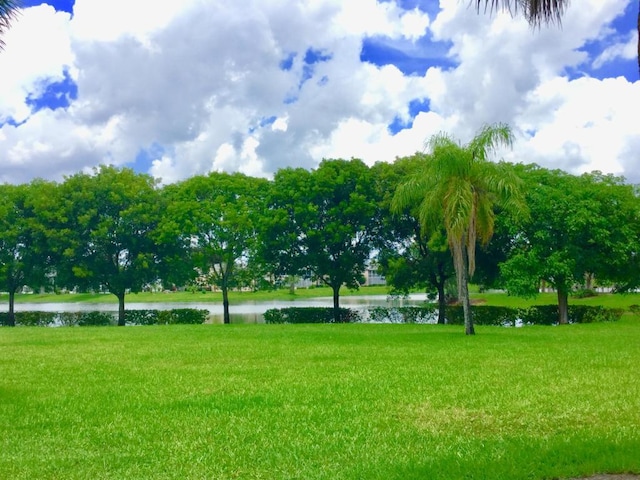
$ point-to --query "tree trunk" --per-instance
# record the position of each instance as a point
(225, 305)
(121, 319)
(11, 319)
(292, 285)
(442, 303)
(463, 287)
(563, 306)
(336, 303)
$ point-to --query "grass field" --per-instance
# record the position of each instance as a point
(319, 402)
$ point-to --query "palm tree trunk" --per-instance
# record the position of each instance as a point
(460, 262)
(466, 303)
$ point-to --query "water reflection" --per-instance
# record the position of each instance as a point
(246, 312)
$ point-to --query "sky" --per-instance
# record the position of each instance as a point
(176, 89)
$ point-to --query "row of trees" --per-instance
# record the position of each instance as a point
(419, 218)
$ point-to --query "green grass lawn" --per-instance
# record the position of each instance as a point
(319, 402)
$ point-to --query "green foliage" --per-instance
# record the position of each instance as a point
(184, 316)
(495, 315)
(457, 188)
(188, 316)
(30, 319)
(578, 227)
(584, 293)
(215, 218)
(309, 315)
(321, 224)
(424, 314)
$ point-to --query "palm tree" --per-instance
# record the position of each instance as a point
(8, 12)
(540, 11)
(458, 186)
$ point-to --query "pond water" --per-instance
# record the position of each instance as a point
(246, 312)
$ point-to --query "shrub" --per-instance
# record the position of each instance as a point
(584, 293)
(141, 317)
(309, 315)
(539, 315)
(184, 316)
(635, 308)
(34, 319)
(85, 319)
(593, 314)
(166, 317)
(423, 314)
(95, 319)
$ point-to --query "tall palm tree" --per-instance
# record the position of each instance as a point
(8, 12)
(540, 11)
(457, 185)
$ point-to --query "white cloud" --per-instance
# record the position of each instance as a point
(627, 50)
(37, 48)
(200, 78)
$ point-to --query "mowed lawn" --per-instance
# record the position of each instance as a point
(319, 402)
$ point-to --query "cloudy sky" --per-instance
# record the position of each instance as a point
(181, 88)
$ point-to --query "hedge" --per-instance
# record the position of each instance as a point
(96, 318)
(498, 316)
(309, 315)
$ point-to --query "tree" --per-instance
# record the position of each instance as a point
(409, 257)
(322, 224)
(579, 227)
(21, 260)
(216, 216)
(107, 232)
(537, 12)
(457, 187)
(9, 10)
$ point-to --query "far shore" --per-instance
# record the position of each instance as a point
(495, 298)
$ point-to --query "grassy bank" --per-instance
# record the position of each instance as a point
(194, 297)
(319, 402)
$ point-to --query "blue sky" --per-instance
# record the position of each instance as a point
(183, 89)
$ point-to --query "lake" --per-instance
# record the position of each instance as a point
(246, 312)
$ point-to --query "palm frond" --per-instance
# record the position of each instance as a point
(9, 11)
(536, 12)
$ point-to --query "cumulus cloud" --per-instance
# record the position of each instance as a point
(198, 85)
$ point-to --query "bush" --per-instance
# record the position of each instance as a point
(309, 315)
(30, 319)
(593, 314)
(584, 293)
(191, 316)
(141, 317)
(635, 308)
(539, 315)
(184, 316)
(424, 314)
(95, 319)
(85, 319)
